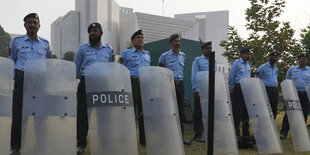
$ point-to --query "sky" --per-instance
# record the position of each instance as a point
(12, 12)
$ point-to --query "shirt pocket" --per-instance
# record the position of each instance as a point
(104, 57)
(133, 62)
(147, 61)
(24, 52)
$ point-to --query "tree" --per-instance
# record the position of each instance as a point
(5, 40)
(267, 34)
(305, 39)
(69, 55)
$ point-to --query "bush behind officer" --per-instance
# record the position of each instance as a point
(174, 60)
(268, 72)
(87, 54)
(240, 69)
(133, 59)
(300, 74)
(200, 63)
(22, 48)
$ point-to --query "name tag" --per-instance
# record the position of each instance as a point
(109, 98)
(292, 105)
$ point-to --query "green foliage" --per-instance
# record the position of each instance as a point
(54, 56)
(267, 34)
(305, 39)
(5, 40)
(69, 55)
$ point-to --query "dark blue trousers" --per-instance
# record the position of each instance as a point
(82, 116)
(137, 100)
(304, 101)
(240, 112)
(197, 116)
(273, 95)
(17, 110)
(179, 89)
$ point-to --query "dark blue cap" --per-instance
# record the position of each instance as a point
(31, 15)
(206, 44)
(139, 32)
(94, 25)
(303, 55)
(244, 50)
(174, 36)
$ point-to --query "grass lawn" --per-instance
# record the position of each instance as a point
(200, 148)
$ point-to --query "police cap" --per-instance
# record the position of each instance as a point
(94, 25)
(174, 36)
(244, 50)
(303, 55)
(206, 44)
(139, 32)
(31, 15)
(273, 53)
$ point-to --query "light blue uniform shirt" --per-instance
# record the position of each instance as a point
(268, 74)
(23, 49)
(133, 60)
(199, 64)
(176, 63)
(87, 55)
(301, 77)
(239, 69)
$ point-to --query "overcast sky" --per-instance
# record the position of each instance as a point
(12, 12)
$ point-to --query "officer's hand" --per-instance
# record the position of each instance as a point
(196, 94)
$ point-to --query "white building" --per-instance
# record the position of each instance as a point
(120, 23)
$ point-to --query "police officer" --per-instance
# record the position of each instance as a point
(87, 54)
(268, 72)
(200, 63)
(240, 69)
(22, 48)
(133, 59)
(300, 74)
(174, 60)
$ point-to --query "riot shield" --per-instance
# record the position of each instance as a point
(295, 116)
(160, 111)
(49, 107)
(110, 109)
(261, 117)
(224, 131)
(6, 90)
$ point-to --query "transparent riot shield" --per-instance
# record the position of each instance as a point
(110, 109)
(6, 90)
(49, 107)
(160, 111)
(261, 117)
(295, 116)
(224, 130)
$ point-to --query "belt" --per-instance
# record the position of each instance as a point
(302, 92)
(272, 88)
(19, 72)
(178, 82)
(134, 79)
(237, 84)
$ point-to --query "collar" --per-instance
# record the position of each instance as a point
(170, 52)
(204, 57)
(100, 46)
(133, 49)
(306, 68)
(26, 37)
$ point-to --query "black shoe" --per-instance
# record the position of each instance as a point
(80, 150)
(199, 139)
(282, 136)
(14, 152)
(186, 142)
